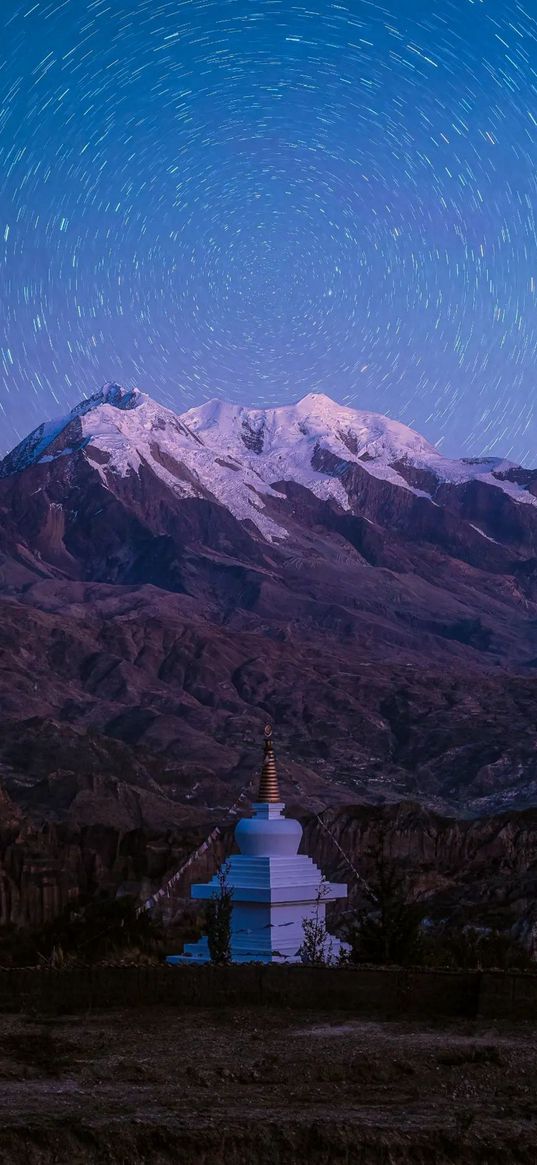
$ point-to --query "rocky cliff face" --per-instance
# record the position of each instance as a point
(481, 872)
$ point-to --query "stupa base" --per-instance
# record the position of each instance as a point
(198, 953)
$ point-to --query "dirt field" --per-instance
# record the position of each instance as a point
(263, 1086)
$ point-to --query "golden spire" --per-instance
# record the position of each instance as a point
(268, 784)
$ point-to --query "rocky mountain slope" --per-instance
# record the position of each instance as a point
(167, 583)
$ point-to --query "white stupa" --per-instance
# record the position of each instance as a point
(274, 887)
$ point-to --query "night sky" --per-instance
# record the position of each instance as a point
(255, 199)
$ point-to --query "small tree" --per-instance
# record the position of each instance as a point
(317, 947)
(218, 919)
(391, 931)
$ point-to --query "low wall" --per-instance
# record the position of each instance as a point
(387, 992)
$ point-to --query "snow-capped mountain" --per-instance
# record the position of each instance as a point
(236, 455)
(172, 580)
(285, 443)
(285, 438)
(122, 430)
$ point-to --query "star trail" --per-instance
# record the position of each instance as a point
(254, 200)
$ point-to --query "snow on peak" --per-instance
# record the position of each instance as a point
(110, 394)
(286, 443)
(121, 431)
(281, 443)
(236, 455)
(92, 419)
(316, 419)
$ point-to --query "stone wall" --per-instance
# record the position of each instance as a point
(377, 992)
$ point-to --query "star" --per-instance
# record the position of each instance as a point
(254, 200)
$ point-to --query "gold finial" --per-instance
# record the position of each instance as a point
(268, 785)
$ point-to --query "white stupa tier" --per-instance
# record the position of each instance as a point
(274, 888)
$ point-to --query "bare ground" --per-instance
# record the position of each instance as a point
(263, 1086)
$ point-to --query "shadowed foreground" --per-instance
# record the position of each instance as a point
(262, 1086)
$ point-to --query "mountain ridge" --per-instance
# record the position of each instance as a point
(200, 452)
(217, 414)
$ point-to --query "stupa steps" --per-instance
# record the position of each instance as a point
(277, 895)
